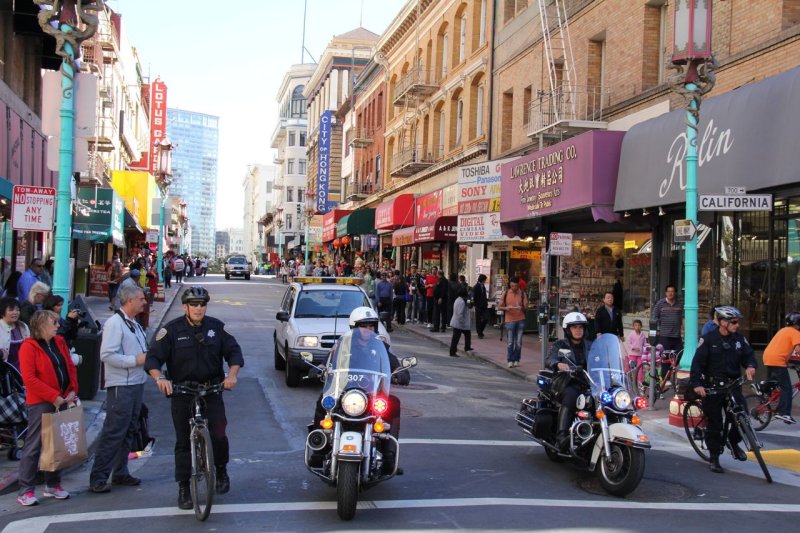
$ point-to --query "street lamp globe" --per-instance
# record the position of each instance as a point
(692, 31)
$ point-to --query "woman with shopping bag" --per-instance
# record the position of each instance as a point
(51, 383)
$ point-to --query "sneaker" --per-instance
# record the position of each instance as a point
(516, 364)
(27, 499)
(787, 419)
(668, 384)
(127, 480)
(55, 492)
(511, 364)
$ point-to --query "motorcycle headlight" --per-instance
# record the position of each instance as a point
(307, 342)
(354, 403)
(622, 400)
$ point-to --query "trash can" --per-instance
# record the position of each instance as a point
(87, 345)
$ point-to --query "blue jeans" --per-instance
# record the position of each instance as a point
(514, 331)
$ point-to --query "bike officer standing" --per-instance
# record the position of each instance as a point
(193, 348)
(720, 356)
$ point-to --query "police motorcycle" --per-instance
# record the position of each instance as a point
(605, 430)
(353, 448)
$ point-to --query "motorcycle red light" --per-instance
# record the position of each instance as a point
(640, 402)
(380, 405)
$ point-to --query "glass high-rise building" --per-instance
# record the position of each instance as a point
(195, 137)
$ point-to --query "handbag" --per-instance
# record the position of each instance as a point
(63, 439)
(13, 409)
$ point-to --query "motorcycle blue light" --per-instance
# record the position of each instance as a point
(606, 397)
(328, 402)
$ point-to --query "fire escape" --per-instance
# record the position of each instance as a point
(566, 109)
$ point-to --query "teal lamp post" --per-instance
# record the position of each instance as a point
(694, 62)
(163, 179)
(70, 24)
(279, 223)
(309, 215)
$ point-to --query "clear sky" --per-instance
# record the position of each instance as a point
(228, 58)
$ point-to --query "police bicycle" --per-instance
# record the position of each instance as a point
(203, 480)
(695, 423)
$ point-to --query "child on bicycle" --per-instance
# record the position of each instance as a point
(784, 345)
(634, 345)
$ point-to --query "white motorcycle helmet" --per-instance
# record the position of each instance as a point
(364, 316)
(573, 319)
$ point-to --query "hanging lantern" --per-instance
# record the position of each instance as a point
(345, 240)
(336, 243)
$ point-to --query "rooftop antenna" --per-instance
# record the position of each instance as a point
(361, 16)
(304, 50)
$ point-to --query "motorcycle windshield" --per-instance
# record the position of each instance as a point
(605, 364)
(359, 361)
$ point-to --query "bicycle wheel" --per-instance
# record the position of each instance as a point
(202, 484)
(753, 444)
(759, 409)
(695, 423)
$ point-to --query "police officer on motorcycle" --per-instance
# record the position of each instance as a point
(193, 347)
(720, 356)
(564, 384)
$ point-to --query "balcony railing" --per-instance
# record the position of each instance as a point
(419, 82)
(361, 137)
(361, 190)
(576, 110)
(411, 160)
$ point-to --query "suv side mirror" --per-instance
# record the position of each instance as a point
(282, 316)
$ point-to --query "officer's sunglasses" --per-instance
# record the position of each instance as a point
(197, 304)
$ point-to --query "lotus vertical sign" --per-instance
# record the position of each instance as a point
(324, 161)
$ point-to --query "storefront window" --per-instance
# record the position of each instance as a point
(462, 260)
(431, 256)
(637, 262)
(753, 259)
(793, 266)
(526, 263)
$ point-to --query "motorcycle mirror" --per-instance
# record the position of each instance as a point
(408, 362)
(564, 353)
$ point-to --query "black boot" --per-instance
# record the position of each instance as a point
(737, 452)
(223, 481)
(562, 438)
(562, 441)
(714, 465)
(184, 496)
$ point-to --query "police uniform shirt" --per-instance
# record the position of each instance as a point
(194, 353)
(719, 356)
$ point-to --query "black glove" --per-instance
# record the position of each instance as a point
(401, 378)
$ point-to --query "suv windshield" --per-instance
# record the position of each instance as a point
(239, 260)
(329, 303)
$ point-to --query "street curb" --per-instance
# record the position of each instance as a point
(8, 482)
(472, 354)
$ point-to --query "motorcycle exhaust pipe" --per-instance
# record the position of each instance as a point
(583, 430)
(317, 440)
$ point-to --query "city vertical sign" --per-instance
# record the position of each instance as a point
(324, 161)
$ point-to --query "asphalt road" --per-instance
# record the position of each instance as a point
(467, 465)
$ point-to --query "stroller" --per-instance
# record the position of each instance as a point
(13, 412)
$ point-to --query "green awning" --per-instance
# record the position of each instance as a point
(99, 216)
(359, 222)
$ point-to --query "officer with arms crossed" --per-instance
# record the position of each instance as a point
(719, 358)
(193, 347)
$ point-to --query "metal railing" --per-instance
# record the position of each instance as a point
(411, 160)
(419, 81)
(579, 108)
(361, 137)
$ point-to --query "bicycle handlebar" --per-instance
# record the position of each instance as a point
(725, 389)
(199, 389)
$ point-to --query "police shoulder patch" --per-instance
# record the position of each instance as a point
(700, 342)
(161, 334)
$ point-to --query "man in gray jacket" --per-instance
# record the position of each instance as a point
(123, 351)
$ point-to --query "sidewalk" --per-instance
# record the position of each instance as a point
(93, 409)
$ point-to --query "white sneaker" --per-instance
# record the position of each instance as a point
(55, 492)
(511, 364)
(27, 499)
(788, 419)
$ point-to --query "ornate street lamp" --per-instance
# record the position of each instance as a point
(279, 223)
(164, 179)
(694, 63)
(310, 211)
(70, 24)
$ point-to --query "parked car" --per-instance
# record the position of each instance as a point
(237, 265)
(314, 312)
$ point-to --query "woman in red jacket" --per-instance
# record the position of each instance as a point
(50, 382)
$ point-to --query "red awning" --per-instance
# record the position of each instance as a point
(403, 237)
(329, 221)
(395, 213)
(444, 229)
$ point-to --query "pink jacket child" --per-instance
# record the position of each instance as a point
(634, 344)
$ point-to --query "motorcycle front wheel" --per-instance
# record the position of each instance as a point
(347, 490)
(622, 469)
